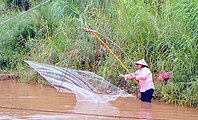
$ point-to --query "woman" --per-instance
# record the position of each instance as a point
(144, 76)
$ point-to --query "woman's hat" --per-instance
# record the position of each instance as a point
(141, 62)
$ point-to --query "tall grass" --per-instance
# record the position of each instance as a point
(165, 34)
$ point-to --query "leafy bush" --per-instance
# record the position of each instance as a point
(25, 4)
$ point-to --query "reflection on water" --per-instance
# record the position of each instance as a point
(24, 101)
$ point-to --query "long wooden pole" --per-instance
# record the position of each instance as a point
(90, 30)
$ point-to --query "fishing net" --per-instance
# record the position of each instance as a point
(87, 86)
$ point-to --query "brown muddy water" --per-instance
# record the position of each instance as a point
(33, 102)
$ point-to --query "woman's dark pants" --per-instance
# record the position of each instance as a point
(147, 95)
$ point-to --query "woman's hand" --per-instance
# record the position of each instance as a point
(133, 75)
(121, 75)
(137, 78)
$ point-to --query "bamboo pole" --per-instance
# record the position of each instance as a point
(98, 38)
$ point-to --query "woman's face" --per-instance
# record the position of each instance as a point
(139, 66)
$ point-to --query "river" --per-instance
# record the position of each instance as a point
(20, 101)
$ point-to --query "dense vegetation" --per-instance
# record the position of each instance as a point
(163, 32)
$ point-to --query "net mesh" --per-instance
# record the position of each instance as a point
(87, 86)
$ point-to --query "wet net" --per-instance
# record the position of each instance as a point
(87, 86)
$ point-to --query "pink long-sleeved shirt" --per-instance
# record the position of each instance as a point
(144, 76)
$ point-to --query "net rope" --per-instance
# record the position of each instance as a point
(87, 86)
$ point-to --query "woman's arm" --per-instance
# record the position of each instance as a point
(127, 76)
